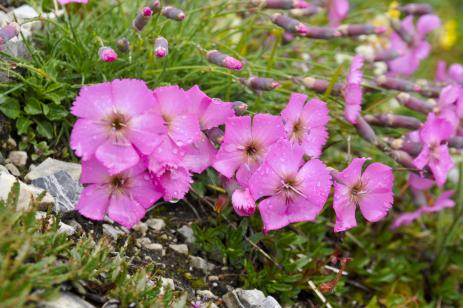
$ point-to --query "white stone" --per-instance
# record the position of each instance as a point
(66, 300)
(206, 294)
(13, 170)
(17, 158)
(179, 248)
(156, 224)
(188, 234)
(201, 264)
(112, 231)
(141, 227)
(51, 166)
(154, 247)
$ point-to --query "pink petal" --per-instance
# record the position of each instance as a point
(441, 71)
(243, 204)
(267, 129)
(86, 137)
(237, 130)
(315, 113)
(337, 11)
(352, 173)
(449, 95)
(435, 130)
(426, 24)
(314, 141)
(199, 155)
(216, 114)
(199, 101)
(172, 101)
(131, 96)
(378, 178)
(406, 219)
(144, 130)
(117, 156)
(355, 75)
(442, 202)
(456, 72)
(273, 213)
(93, 201)
(93, 172)
(176, 183)
(441, 166)
(184, 129)
(423, 158)
(244, 173)
(316, 184)
(125, 210)
(353, 95)
(72, 1)
(228, 161)
(421, 51)
(94, 102)
(374, 206)
(285, 158)
(166, 153)
(419, 183)
(293, 110)
(144, 191)
(344, 208)
(264, 182)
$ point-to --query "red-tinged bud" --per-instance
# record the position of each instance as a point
(156, 6)
(173, 13)
(161, 47)
(288, 37)
(290, 24)
(107, 54)
(387, 55)
(306, 12)
(261, 84)
(123, 44)
(281, 4)
(416, 9)
(397, 84)
(393, 120)
(415, 104)
(322, 33)
(429, 89)
(320, 86)
(240, 108)
(401, 31)
(357, 30)
(216, 135)
(8, 32)
(221, 59)
(403, 158)
(142, 19)
(456, 142)
(365, 131)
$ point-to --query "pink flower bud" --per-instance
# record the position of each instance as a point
(155, 6)
(8, 32)
(281, 4)
(393, 120)
(415, 104)
(142, 19)
(416, 9)
(216, 135)
(322, 33)
(288, 37)
(387, 55)
(320, 86)
(397, 84)
(173, 13)
(365, 131)
(403, 158)
(357, 30)
(240, 108)
(290, 24)
(305, 12)
(221, 59)
(161, 47)
(261, 84)
(107, 54)
(401, 31)
(243, 203)
(123, 44)
(456, 142)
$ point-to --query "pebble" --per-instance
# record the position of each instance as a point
(213, 278)
(201, 264)
(51, 166)
(187, 233)
(179, 248)
(156, 224)
(167, 283)
(206, 294)
(17, 158)
(67, 300)
(141, 227)
(13, 170)
(154, 247)
(143, 241)
(111, 231)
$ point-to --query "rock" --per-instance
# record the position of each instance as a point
(13, 170)
(213, 278)
(167, 283)
(63, 228)
(270, 302)
(154, 247)
(201, 264)
(206, 294)
(3, 169)
(51, 166)
(141, 227)
(112, 231)
(179, 248)
(27, 193)
(2, 159)
(209, 305)
(11, 143)
(64, 189)
(187, 233)
(156, 224)
(240, 298)
(112, 303)
(143, 241)
(67, 300)
(17, 158)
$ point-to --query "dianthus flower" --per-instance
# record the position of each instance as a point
(337, 11)
(293, 190)
(371, 191)
(353, 92)
(450, 105)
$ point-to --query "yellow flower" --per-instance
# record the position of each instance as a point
(393, 11)
(450, 34)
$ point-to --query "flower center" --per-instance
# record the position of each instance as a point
(289, 189)
(298, 130)
(117, 122)
(118, 182)
(252, 150)
(357, 191)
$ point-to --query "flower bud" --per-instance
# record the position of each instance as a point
(161, 47)
(416, 9)
(357, 30)
(290, 24)
(428, 88)
(305, 12)
(287, 38)
(173, 13)
(397, 84)
(387, 55)
(320, 86)
(393, 120)
(123, 44)
(456, 142)
(8, 32)
(321, 33)
(240, 108)
(107, 54)
(365, 130)
(142, 18)
(280, 4)
(414, 103)
(221, 59)
(216, 135)
(403, 158)
(401, 31)
(261, 84)
(155, 6)
(243, 203)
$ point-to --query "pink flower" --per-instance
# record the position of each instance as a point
(243, 203)
(435, 154)
(107, 54)
(456, 72)
(370, 190)
(294, 191)
(337, 11)
(406, 218)
(411, 56)
(450, 105)
(124, 196)
(305, 123)
(418, 183)
(72, 1)
(246, 142)
(353, 93)
(115, 123)
(442, 202)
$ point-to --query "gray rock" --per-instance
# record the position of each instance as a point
(179, 248)
(141, 227)
(63, 228)
(2, 159)
(143, 241)
(270, 302)
(201, 264)
(64, 189)
(206, 294)
(156, 224)
(67, 300)
(51, 166)
(112, 231)
(240, 298)
(154, 247)
(187, 233)
(167, 283)
(17, 158)
(3, 169)
(13, 170)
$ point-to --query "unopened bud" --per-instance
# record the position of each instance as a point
(281, 4)
(306, 12)
(429, 89)
(403, 158)
(155, 6)
(261, 84)
(240, 108)
(161, 47)
(320, 86)
(384, 56)
(401, 31)
(456, 142)
(173, 13)
(142, 18)
(393, 120)
(397, 84)
(123, 44)
(290, 24)
(216, 135)
(411, 145)
(365, 131)
(221, 59)
(8, 32)
(414, 103)
(416, 9)
(322, 33)
(357, 30)
(107, 54)
(288, 37)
